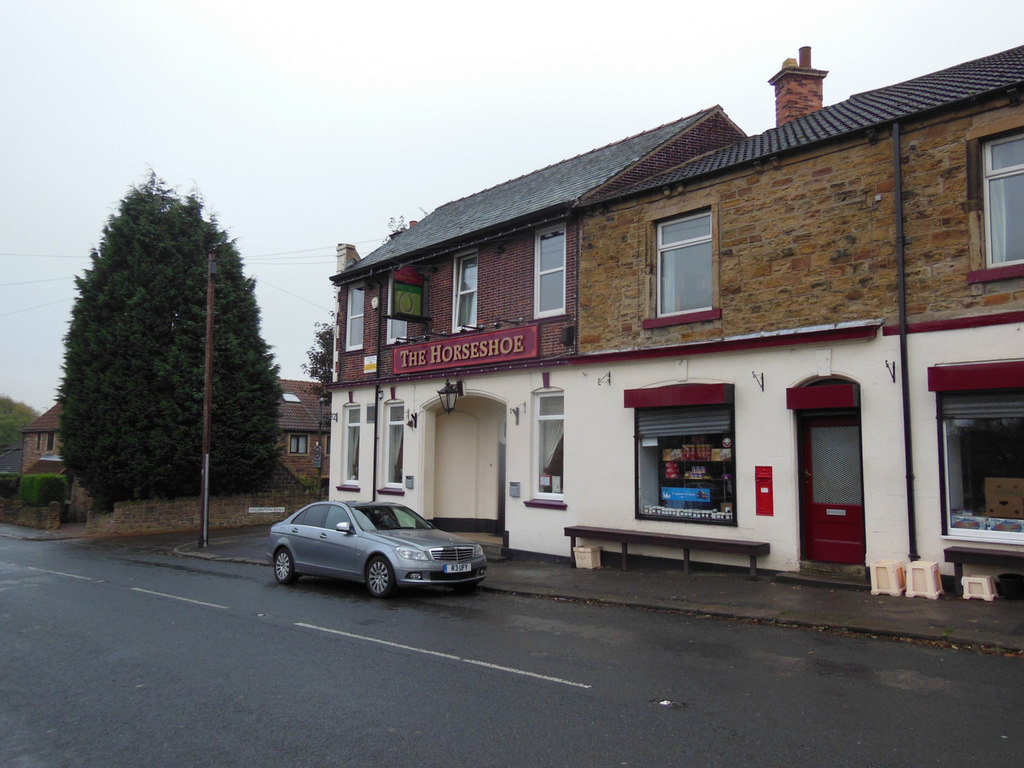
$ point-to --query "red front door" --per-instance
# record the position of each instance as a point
(832, 500)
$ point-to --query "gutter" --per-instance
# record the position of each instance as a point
(901, 289)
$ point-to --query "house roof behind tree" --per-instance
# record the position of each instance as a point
(48, 422)
(300, 405)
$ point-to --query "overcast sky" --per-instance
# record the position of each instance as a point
(308, 123)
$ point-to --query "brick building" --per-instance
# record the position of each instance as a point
(755, 336)
(481, 295)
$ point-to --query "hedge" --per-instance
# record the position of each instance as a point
(40, 490)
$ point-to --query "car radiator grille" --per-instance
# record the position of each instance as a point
(452, 554)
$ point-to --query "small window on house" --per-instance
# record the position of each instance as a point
(350, 461)
(395, 444)
(684, 265)
(550, 440)
(50, 440)
(298, 444)
(1004, 200)
(354, 319)
(290, 397)
(465, 291)
(549, 280)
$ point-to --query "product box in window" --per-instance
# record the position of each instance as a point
(1004, 497)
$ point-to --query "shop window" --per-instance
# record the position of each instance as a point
(1004, 201)
(983, 457)
(549, 280)
(550, 441)
(685, 465)
(684, 265)
(465, 291)
(395, 444)
(350, 461)
(298, 444)
(354, 319)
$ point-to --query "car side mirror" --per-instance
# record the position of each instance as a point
(344, 526)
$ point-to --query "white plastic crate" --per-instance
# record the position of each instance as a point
(888, 578)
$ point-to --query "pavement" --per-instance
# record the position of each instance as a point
(782, 599)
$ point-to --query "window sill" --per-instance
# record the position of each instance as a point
(995, 273)
(391, 491)
(690, 317)
(348, 487)
(545, 504)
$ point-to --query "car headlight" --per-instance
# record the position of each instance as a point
(478, 551)
(412, 554)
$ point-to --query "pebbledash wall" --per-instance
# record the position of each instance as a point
(169, 515)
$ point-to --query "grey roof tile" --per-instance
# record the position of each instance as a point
(860, 112)
(549, 189)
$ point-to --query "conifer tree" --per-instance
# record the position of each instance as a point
(134, 366)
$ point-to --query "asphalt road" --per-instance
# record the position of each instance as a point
(111, 655)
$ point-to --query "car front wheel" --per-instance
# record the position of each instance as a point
(380, 577)
(284, 567)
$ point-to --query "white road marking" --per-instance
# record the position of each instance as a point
(176, 597)
(59, 573)
(450, 656)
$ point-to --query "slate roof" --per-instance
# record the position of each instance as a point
(10, 460)
(300, 416)
(552, 189)
(862, 111)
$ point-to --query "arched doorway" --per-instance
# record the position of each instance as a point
(831, 471)
(469, 466)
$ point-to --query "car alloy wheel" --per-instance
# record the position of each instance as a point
(284, 567)
(380, 577)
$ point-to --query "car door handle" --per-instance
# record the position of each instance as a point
(323, 535)
(295, 530)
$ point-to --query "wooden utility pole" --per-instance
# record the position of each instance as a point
(204, 522)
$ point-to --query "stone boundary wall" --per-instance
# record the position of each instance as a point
(45, 518)
(170, 515)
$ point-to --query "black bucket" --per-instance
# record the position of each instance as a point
(1011, 585)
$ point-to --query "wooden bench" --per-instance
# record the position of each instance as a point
(749, 548)
(999, 558)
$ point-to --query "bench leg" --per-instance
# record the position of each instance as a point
(572, 551)
(753, 567)
(625, 552)
(958, 579)
(686, 561)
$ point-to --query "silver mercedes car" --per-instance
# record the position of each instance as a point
(383, 545)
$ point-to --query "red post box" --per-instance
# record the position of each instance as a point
(765, 495)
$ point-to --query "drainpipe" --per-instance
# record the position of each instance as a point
(901, 289)
(376, 395)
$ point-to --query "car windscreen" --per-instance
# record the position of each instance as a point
(387, 517)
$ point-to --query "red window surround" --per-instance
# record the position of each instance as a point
(959, 378)
(679, 394)
(823, 396)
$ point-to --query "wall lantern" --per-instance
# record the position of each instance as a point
(447, 395)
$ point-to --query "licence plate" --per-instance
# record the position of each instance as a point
(458, 567)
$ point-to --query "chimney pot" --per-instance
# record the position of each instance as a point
(805, 57)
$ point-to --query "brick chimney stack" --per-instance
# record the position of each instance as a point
(798, 90)
(347, 254)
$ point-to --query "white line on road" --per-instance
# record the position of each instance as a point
(59, 573)
(452, 657)
(175, 597)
